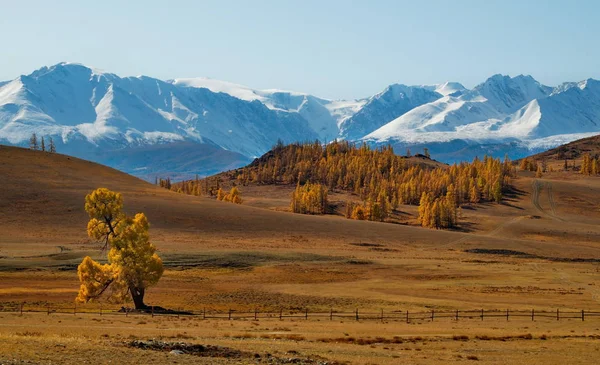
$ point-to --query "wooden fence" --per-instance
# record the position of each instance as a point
(357, 315)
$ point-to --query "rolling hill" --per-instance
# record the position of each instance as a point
(572, 150)
(224, 255)
(41, 203)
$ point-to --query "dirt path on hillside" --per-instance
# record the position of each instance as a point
(537, 187)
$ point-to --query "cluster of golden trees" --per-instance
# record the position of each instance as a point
(375, 174)
(440, 212)
(528, 164)
(309, 199)
(380, 178)
(590, 165)
(371, 210)
(197, 187)
(234, 196)
(209, 186)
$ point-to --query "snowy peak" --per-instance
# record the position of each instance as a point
(447, 88)
(384, 107)
(588, 84)
(217, 86)
(509, 94)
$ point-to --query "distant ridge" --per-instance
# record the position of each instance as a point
(205, 126)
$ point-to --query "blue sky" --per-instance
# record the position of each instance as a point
(334, 49)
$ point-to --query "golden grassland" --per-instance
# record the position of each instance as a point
(225, 256)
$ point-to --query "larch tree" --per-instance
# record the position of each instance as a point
(538, 173)
(52, 147)
(33, 142)
(426, 152)
(234, 196)
(133, 264)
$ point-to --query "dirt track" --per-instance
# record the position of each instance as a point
(536, 190)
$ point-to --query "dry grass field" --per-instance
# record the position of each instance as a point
(539, 249)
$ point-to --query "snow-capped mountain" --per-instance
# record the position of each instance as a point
(324, 116)
(388, 105)
(148, 126)
(74, 102)
(90, 113)
(502, 111)
(446, 88)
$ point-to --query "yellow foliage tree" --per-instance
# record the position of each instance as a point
(589, 165)
(309, 199)
(358, 213)
(538, 173)
(133, 264)
(220, 194)
(234, 196)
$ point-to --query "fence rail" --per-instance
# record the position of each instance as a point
(357, 315)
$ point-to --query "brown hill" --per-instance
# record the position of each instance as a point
(572, 151)
(41, 203)
(246, 256)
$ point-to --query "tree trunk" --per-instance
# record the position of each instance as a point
(137, 294)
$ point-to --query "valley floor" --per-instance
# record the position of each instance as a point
(539, 250)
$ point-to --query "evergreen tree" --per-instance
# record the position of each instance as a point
(33, 142)
(52, 147)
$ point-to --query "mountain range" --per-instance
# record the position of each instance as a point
(182, 127)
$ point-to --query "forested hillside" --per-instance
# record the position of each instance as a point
(381, 179)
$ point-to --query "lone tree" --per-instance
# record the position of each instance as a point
(133, 264)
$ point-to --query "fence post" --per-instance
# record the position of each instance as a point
(357, 314)
(532, 314)
(152, 309)
(457, 314)
(582, 315)
(482, 314)
(557, 315)
(407, 320)
(506, 315)
(331, 314)
(432, 315)
(306, 313)
(280, 314)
